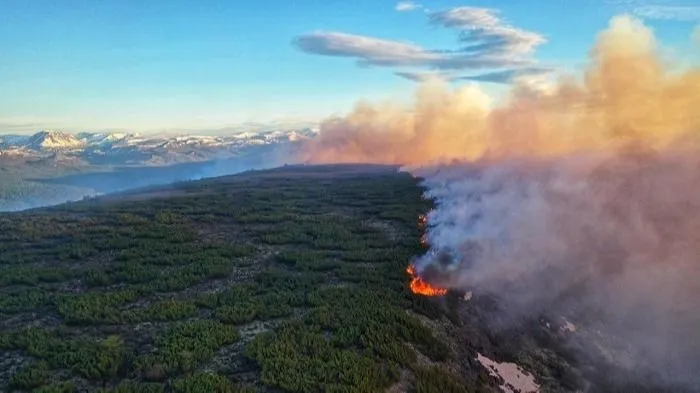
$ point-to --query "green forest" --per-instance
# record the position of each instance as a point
(23, 183)
(287, 280)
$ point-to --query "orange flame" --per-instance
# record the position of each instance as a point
(422, 221)
(420, 287)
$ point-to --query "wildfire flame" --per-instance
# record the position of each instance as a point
(424, 241)
(420, 287)
(422, 223)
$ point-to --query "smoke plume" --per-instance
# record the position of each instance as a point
(579, 200)
(627, 95)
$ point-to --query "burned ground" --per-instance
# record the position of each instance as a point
(284, 280)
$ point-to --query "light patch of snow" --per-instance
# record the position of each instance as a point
(514, 378)
(102, 139)
(243, 135)
(14, 152)
(54, 140)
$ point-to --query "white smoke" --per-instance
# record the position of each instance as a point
(616, 234)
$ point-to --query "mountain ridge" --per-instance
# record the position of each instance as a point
(126, 148)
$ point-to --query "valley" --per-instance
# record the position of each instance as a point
(52, 167)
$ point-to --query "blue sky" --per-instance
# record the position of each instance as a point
(158, 65)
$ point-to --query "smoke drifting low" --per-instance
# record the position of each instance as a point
(584, 197)
(612, 241)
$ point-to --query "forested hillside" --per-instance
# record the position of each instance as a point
(22, 185)
(288, 280)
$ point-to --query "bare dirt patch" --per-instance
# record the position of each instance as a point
(514, 378)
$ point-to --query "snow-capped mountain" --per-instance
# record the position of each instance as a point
(134, 149)
(52, 167)
(103, 139)
(54, 140)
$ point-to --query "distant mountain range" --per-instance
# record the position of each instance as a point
(136, 149)
(52, 167)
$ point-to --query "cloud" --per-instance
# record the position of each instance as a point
(418, 76)
(502, 40)
(510, 75)
(527, 75)
(668, 12)
(483, 31)
(466, 17)
(404, 6)
(485, 41)
(381, 52)
(368, 50)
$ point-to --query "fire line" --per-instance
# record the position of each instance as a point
(418, 285)
(421, 287)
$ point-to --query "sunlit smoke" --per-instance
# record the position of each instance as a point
(627, 94)
(582, 200)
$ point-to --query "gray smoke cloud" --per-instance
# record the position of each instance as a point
(612, 239)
